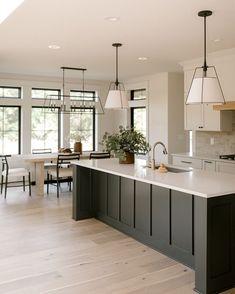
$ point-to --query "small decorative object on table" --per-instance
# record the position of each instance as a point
(125, 144)
(78, 145)
(64, 150)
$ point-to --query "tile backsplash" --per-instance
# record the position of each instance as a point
(224, 142)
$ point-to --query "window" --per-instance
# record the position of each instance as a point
(10, 129)
(45, 129)
(83, 123)
(139, 94)
(138, 112)
(10, 92)
(138, 119)
(38, 93)
(86, 95)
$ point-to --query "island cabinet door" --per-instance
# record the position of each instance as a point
(142, 208)
(82, 195)
(127, 202)
(113, 196)
(161, 217)
(182, 227)
(99, 192)
(215, 244)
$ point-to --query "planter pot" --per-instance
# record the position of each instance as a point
(78, 147)
(129, 158)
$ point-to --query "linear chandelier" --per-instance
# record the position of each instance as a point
(73, 104)
(205, 86)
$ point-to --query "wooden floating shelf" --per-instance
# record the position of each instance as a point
(227, 106)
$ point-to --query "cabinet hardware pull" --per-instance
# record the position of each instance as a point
(208, 161)
(189, 162)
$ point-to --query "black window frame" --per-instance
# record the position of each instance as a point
(93, 110)
(93, 124)
(19, 124)
(132, 114)
(11, 87)
(85, 91)
(134, 91)
(59, 123)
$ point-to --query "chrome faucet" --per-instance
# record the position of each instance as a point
(153, 158)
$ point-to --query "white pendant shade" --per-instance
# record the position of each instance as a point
(205, 90)
(117, 99)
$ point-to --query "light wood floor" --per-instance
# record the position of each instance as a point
(42, 250)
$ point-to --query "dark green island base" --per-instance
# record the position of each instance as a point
(196, 231)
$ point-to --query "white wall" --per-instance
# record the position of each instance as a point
(178, 139)
(104, 122)
(165, 111)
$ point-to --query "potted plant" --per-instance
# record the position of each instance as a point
(125, 144)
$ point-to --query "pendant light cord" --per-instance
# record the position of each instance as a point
(205, 63)
(116, 82)
(63, 89)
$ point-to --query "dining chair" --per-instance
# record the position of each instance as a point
(63, 171)
(13, 173)
(99, 155)
(45, 151)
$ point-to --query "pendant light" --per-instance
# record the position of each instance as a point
(205, 86)
(117, 98)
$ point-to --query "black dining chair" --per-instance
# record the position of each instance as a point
(45, 151)
(63, 171)
(99, 155)
(14, 173)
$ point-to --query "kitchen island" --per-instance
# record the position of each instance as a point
(189, 216)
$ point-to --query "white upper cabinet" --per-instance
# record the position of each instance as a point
(202, 117)
(225, 67)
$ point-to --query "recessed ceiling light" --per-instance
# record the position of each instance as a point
(142, 58)
(112, 18)
(54, 46)
(217, 40)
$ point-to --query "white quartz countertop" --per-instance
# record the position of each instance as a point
(197, 182)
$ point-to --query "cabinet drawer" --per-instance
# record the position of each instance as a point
(187, 162)
(208, 165)
(224, 167)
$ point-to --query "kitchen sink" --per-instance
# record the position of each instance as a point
(174, 169)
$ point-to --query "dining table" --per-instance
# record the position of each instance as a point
(38, 160)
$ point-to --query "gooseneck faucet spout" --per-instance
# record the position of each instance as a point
(154, 146)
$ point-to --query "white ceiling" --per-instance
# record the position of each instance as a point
(166, 31)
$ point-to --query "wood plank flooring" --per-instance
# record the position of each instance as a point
(42, 250)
